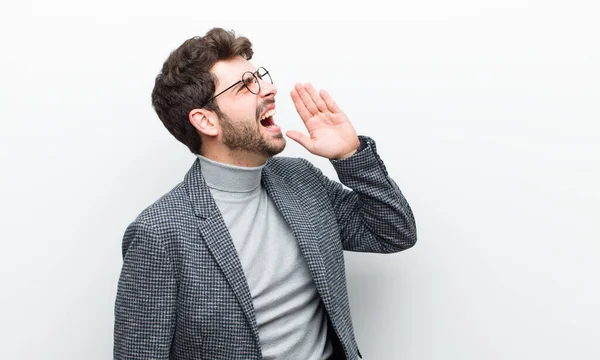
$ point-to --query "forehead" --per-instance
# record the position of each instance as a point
(230, 71)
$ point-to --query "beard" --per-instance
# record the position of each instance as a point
(246, 136)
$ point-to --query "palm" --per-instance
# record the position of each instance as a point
(331, 133)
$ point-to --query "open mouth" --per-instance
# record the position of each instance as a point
(267, 119)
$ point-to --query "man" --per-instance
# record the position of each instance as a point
(244, 258)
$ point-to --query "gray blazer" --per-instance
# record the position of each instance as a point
(182, 293)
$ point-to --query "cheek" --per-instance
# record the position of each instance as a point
(243, 109)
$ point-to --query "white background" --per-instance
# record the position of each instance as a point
(485, 112)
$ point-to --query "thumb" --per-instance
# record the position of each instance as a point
(300, 138)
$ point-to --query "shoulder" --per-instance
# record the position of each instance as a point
(171, 208)
(296, 172)
(283, 165)
(161, 224)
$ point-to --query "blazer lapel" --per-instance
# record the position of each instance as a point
(218, 240)
(289, 205)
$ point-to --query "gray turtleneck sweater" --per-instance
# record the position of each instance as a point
(289, 313)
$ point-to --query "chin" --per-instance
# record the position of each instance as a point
(276, 146)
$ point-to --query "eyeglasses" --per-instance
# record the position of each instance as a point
(250, 81)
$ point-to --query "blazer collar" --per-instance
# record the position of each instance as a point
(202, 201)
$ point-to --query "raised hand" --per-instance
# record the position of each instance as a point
(331, 133)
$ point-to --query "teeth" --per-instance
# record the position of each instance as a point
(268, 113)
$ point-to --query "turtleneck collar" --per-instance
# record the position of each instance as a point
(230, 178)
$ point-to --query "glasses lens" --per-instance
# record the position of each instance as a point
(251, 82)
(264, 75)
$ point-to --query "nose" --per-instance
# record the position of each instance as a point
(267, 89)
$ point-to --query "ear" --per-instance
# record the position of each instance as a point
(206, 122)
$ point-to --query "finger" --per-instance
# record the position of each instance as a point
(300, 107)
(316, 98)
(300, 138)
(308, 102)
(331, 104)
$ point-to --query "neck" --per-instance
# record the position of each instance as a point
(230, 178)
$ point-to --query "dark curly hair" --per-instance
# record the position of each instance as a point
(185, 82)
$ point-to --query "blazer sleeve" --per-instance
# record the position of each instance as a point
(146, 296)
(373, 215)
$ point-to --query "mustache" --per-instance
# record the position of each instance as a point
(262, 107)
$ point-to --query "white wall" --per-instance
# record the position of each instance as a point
(486, 113)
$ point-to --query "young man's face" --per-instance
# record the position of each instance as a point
(241, 121)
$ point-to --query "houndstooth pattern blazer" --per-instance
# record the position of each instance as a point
(182, 293)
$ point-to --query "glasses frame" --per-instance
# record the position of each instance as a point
(254, 74)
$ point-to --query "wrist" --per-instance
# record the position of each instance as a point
(347, 155)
